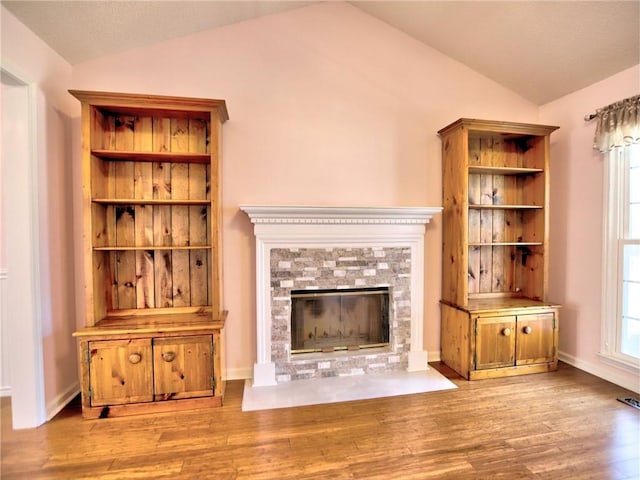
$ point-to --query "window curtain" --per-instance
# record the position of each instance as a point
(618, 124)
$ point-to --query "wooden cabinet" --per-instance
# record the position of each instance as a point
(496, 318)
(505, 341)
(118, 372)
(536, 340)
(152, 251)
(495, 342)
(500, 338)
(183, 367)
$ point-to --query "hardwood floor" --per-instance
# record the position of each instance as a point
(560, 425)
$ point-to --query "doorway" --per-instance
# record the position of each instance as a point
(20, 320)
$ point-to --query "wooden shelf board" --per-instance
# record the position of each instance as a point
(150, 247)
(153, 105)
(488, 170)
(155, 323)
(166, 157)
(502, 129)
(147, 201)
(504, 244)
(492, 303)
(505, 207)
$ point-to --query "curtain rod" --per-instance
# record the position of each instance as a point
(591, 116)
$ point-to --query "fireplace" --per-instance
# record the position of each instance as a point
(331, 320)
(306, 253)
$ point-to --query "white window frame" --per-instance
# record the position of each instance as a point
(616, 198)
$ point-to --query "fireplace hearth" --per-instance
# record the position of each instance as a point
(341, 253)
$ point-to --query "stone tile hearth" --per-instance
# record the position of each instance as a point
(317, 391)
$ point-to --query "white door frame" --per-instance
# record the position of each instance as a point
(23, 324)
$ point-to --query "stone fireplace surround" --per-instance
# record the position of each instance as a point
(339, 267)
(301, 247)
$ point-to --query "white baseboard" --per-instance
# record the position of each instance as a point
(434, 356)
(239, 373)
(58, 403)
(594, 369)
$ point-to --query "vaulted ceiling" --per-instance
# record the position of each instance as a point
(541, 50)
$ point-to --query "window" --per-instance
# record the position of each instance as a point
(621, 266)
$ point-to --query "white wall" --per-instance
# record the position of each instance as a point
(5, 388)
(328, 106)
(577, 174)
(48, 77)
(14, 136)
(5, 383)
(21, 319)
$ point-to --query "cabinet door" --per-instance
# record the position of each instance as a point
(495, 342)
(183, 367)
(120, 372)
(536, 339)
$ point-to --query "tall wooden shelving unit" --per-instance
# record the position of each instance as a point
(153, 267)
(496, 317)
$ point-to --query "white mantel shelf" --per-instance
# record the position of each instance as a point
(275, 214)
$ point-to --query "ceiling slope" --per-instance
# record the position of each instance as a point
(541, 50)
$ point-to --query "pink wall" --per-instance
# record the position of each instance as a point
(328, 106)
(577, 224)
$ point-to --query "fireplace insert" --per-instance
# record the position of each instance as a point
(339, 319)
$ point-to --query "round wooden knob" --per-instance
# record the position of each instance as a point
(506, 331)
(527, 329)
(168, 356)
(135, 358)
